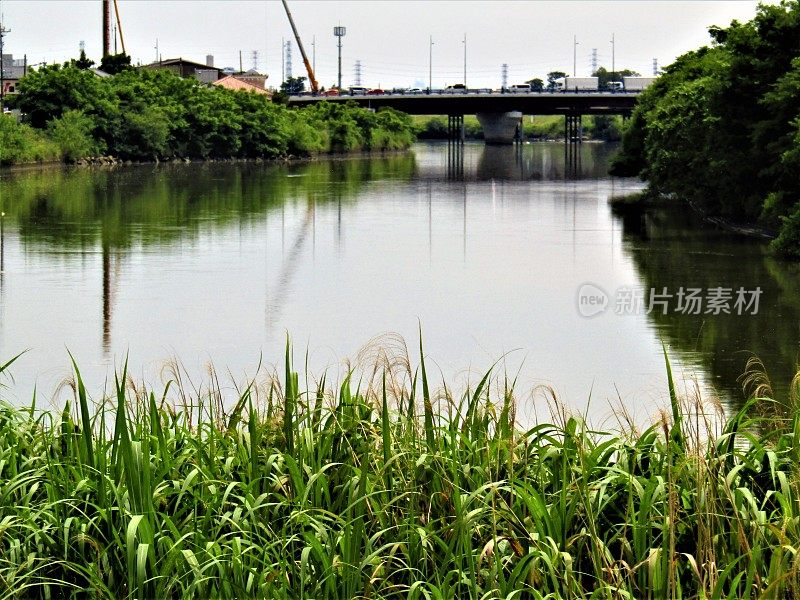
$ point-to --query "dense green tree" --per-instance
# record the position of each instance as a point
(537, 85)
(83, 62)
(115, 63)
(604, 76)
(719, 128)
(145, 114)
(554, 76)
(293, 85)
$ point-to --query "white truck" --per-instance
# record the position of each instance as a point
(580, 84)
(637, 84)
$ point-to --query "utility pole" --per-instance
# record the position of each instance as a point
(241, 70)
(3, 32)
(430, 67)
(574, 55)
(340, 32)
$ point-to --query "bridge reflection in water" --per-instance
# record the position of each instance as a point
(533, 161)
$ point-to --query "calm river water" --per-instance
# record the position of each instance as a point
(501, 253)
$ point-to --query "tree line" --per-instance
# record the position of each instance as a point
(720, 128)
(144, 114)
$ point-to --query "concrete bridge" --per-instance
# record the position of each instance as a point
(500, 115)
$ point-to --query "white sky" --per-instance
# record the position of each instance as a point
(389, 37)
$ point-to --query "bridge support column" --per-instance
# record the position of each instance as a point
(573, 129)
(500, 128)
(573, 134)
(455, 147)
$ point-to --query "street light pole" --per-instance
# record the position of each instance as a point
(613, 59)
(465, 61)
(430, 67)
(575, 56)
(339, 32)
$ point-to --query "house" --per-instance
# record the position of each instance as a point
(205, 73)
(13, 71)
(243, 84)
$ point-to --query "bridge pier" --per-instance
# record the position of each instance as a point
(573, 134)
(455, 147)
(500, 128)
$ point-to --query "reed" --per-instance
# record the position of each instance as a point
(358, 492)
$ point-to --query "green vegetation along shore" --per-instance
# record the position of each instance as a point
(547, 127)
(385, 489)
(145, 115)
(720, 129)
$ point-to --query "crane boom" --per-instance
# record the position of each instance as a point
(311, 79)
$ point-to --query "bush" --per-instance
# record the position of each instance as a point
(787, 243)
(72, 133)
(20, 143)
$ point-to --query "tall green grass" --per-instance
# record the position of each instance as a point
(386, 488)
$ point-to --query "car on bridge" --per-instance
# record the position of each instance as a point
(376, 92)
(519, 88)
(330, 92)
(357, 90)
(414, 91)
(458, 88)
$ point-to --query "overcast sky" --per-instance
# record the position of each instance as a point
(389, 37)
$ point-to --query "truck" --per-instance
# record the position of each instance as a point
(580, 84)
(637, 84)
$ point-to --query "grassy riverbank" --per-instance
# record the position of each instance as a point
(382, 489)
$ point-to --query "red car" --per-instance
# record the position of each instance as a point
(330, 92)
(376, 92)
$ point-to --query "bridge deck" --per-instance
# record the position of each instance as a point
(545, 103)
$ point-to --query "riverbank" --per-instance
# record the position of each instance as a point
(640, 202)
(144, 115)
(720, 129)
(391, 490)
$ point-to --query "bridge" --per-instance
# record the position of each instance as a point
(500, 114)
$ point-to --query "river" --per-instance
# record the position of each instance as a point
(496, 254)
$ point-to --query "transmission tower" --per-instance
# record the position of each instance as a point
(655, 67)
(504, 76)
(594, 60)
(357, 73)
(254, 55)
(288, 59)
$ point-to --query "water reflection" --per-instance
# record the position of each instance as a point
(672, 249)
(223, 259)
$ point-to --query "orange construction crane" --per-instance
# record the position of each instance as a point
(311, 79)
